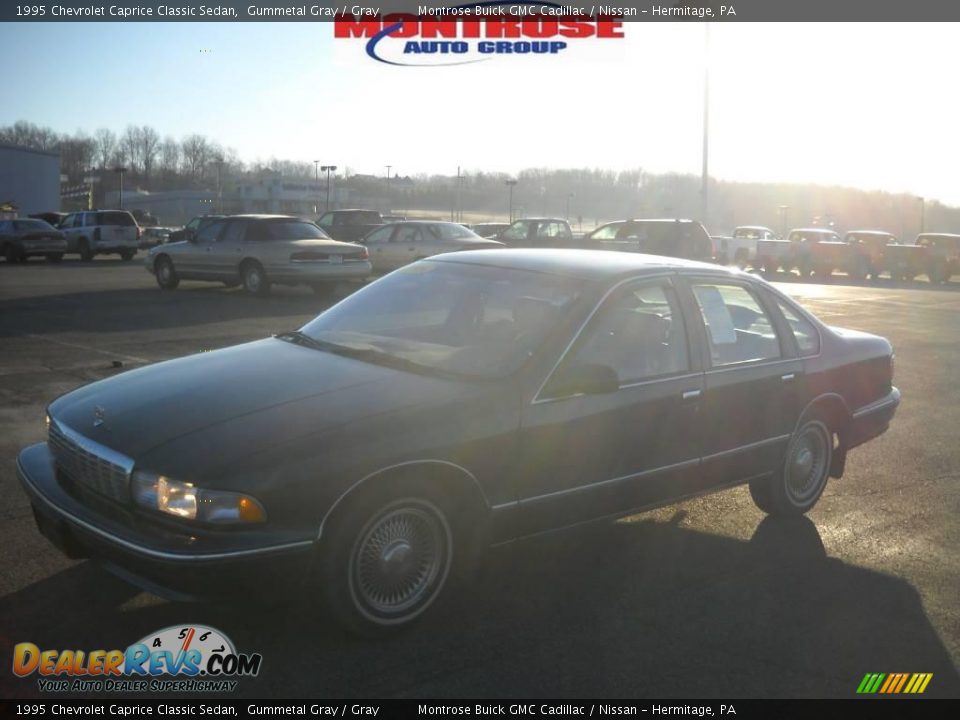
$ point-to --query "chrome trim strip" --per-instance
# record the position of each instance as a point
(748, 446)
(622, 478)
(159, 554)
(576, 336)
(427, 461)
(744, 364)
(891, 398)
(95, 448)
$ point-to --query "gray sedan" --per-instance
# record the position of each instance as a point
(392, 246)
(258, 251)
(21, 238)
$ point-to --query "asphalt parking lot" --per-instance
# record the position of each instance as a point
(707, 598)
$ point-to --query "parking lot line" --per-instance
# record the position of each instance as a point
(78, 346)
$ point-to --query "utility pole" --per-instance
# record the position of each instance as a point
(328, 169)
(120, 170)
(923, 214)
(511, 184)
(316, 182)
(220, 185)
(705, 173)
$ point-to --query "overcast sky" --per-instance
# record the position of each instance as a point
(870, 105)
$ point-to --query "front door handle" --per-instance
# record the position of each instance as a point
(691, 394)
(788, 377)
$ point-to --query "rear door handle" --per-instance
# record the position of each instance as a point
(691, 394)
(788, 377)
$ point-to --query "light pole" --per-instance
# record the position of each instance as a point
(511, 184)
(120, 170)
(328, 169)
(705, 172)
(316, 182)
(923, 214)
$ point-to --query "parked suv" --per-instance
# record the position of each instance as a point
(101, 232)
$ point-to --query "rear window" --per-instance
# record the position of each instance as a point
(286, 230)
(116, 218)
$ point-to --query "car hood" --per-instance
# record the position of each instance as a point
(274, 390)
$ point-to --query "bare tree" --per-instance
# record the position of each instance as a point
(77, 155)
(169, 157)
(149, 148)
(132, 145)
(105, 142)
(196, 153)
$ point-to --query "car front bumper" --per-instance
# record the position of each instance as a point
(872, 420)
(178, 565)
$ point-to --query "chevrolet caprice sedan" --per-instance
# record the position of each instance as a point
(457, 403)
(259, 251)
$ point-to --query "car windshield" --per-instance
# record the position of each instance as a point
(451, 231)
(453, 318)
(293, 230)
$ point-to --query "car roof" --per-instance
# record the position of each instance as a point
(539, 219)
(814, 229)
(752, 227)
(938, 234)
(868, 232)
(587, 264)
(264, 216)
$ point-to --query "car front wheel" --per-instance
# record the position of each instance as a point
(167, 277)
(387, 561)
(797, 487)
(254, 279)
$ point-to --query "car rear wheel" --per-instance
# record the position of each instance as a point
(83, 247)
(387, 560)
(11, 254)
(126, 255)
(741, 258)
(254, 279)
(167, 277)
(938, 271)
(54, 257)
(797, 487)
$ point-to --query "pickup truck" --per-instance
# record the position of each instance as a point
(941, 255)
(537, 232)
(819, 251)
(870, 252)
(349, 225)
(670, 237)
(741, 247)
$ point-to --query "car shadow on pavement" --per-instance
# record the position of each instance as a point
(109, 311)
(636, 608)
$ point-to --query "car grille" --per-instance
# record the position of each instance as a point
(90, 464)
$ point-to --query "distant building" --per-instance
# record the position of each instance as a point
(29, 179)
(172, 208)
(289, 196)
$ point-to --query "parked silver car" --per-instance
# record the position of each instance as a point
(258, 251)
(392, 246)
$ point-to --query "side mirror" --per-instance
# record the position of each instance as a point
(191, 236)
(586, 380)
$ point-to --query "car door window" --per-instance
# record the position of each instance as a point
(380, 235)
(806, 335)
(326, 220)
(638, 332)
(408, 234)
(607, 232)
(210, 232)
(738, 328)
(235, 232)
(517, 231)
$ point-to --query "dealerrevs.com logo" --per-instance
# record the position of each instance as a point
(475, 32)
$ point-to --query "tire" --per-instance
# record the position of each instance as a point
(388, 559)
(167, 277)
(937, 273)
(126, 255)
(324, 290)
(741, 259)
(11, 254)
(795, 489)
(54, 257)
(860, 269)
(86, 253)
(254, 279)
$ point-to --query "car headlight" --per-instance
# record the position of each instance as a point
(185, 500)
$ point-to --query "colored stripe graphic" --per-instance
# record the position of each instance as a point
(894, 683)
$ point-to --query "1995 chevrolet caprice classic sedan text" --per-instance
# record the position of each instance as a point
(460, 402)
